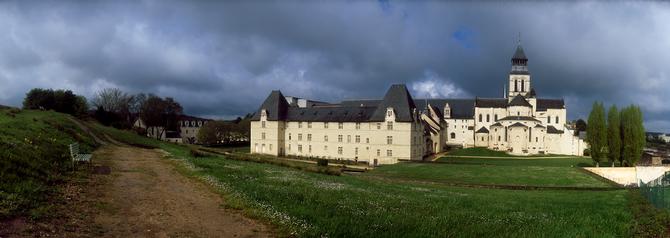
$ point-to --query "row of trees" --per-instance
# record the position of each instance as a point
(120, 109)
(225, 132)
(616, 135)
(58, 100)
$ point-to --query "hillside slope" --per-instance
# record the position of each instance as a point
(34, 158)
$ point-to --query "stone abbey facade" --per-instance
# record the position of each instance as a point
(401, 127)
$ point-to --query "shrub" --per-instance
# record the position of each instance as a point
(322, 162)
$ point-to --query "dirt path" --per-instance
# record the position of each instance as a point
(145, 197)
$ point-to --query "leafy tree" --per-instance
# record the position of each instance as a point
(38, 98)
(633, 134)
(161, 113)
(596, 133)
(613, 134)
(580, 125)
(60, 100)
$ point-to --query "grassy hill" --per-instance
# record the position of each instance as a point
(34, 158)
(414, 199)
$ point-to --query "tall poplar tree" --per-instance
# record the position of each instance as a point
(613, 134)
(632, 134)
(596, 132)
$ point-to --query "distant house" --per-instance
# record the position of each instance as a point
(658, 136)
(188, 129)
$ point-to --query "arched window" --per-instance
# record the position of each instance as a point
(516, 87)
(480, 117)
(453, 135)
(523, 86)
(556, 119)
(488, 118)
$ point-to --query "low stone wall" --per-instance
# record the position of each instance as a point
(630, 176)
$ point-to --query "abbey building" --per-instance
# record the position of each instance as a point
(400, 127)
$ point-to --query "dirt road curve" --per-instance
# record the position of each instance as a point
(146, 197)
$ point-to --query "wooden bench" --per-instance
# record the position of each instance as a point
(77, 157)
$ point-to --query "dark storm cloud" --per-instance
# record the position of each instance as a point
(222, 59)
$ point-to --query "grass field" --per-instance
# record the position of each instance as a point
(485, 152)
(409, 200)
(523, 174)
(34, 159)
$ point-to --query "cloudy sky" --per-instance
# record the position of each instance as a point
(221, 59)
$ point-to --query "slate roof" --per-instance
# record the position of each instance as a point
(553, 130)
(482, 130)
(276, 106)
(359, 102)
(460, 108)
(543, 104)
(191, 118)
(330, 114)
(518, 118)
(518, 124)
(400, 100)
(519, 54)
(497, 124)
(491, 102)
(438, 112)
(519, 100)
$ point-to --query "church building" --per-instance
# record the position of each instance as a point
(399, 127)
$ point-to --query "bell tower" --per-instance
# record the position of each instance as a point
(519, 77)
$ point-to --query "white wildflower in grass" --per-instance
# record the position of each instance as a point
(329, 185)
(420, 189)
(230, 166)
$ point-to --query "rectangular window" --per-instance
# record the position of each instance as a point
(358, 125)
(495, 117)
(356, 151)
(339, 138)
(309, 137)
(270, 147)
(289, 136)
(309, 124)
(480, 117)
(300, 148)
(309, 150)
(379, 126)
(299, 124)
(263, 124)
(339, 150)
(289, 147)
(299, 137)
(367, 140)
(358, 139)
(325, 148)
(325, 138)
(389, 153)
(379, 152)
(389, 125)
(263, 136)
(389, 140)
(325, 125)
(348, 138)
(340, 125)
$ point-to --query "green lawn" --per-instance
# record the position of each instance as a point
(568, 161)
(485, 152)
(35, 159)
(311, 205)
(508, 174)
(396, 201)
